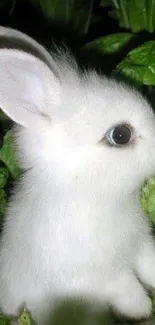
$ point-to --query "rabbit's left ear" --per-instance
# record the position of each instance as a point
(29, 90)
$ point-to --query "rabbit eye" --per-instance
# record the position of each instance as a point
(119, 135)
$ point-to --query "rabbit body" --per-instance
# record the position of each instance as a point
(74, 226)
(85, 254)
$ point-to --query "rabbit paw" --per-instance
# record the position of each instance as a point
(128, 297)
(145, 264)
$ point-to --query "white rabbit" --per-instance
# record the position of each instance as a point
(74, 226)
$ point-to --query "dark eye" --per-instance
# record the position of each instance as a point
(119, 135)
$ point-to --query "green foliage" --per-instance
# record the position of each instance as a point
(25, 318)
(110, 43)
(4, 320)
(76, 14)
(8, 170)
(4, 175)
(7, 155)
(148, 199)
(136, 15)
(139, 64)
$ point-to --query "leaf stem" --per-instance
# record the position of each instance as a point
(91, 4)
(150, 15)
(123, 13)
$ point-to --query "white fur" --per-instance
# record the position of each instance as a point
(74, 226)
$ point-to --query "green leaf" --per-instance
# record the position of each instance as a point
(4, 319)
(7, 155)
(148, 199)
(4, 174)
(137, 15)
(109, 44)
(139, 64)
(25, 318)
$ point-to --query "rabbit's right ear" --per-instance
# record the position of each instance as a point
(29, 90)
(12, 38)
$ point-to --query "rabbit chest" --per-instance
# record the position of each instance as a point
(73, 226)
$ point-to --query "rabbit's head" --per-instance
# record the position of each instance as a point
(79, 122)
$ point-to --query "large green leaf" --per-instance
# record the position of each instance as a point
(139, 64)
(110, 43)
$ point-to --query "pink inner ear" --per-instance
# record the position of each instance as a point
(29, 89)
(28, 85)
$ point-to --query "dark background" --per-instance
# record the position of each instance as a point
(28, 18)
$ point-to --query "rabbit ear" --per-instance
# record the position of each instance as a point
(29, 90)
(12, 38)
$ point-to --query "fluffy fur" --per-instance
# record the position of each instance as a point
(74, 226)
